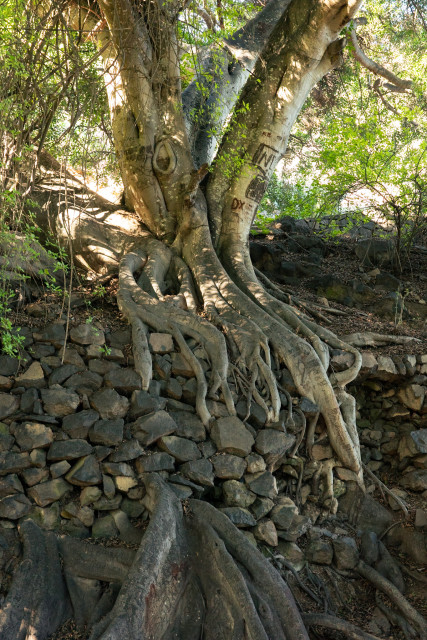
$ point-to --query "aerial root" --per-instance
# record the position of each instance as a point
(145, 310)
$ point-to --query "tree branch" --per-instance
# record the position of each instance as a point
(376, 68)
(210, 98)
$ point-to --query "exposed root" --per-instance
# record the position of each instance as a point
(375, 339)
(402, 504)
(337, 624)
(384, 585)
(142, 310)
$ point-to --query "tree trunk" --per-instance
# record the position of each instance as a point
(196, 575)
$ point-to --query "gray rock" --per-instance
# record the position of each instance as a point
(284, 513)
(299, 526)
(85, 472)
(33, 435)
(77, 425)
(107, 432)
(124, 380)
(229, 467)
(89, 495)
(33, 377)
(11, 462)
(53, 333)
(420, 440)
(109, 404)
(346, 554)
(415, 480)
(9, 366)
(173, 389)
(38, 458)
(101, 366)
(10, 485)
(62, 373)
(85, 334)
(14, 507)
(265, 531)
(161, 343)
(142, 403)
(48, 492)
(292, 553)
(84, 382)
(412, 396)
(68, 450)
(189, 391)
(149, 429)
(240, 517)
(129, 450)
(40, 350)
(263, 484)
(118, 469)
(6, 439)
(261, 507)
(231, 436)
(181, 449)
(189, 426)
(319, 551)
(257, 416)
(161, 367)
(272, 443)
(34, 475)
(236, 494)
(59, 469)
(28, 398)
(199, 471)
(256, 463)
(108, 504)
(127, 532)
(105, 528)
(70, 356)
(108, 486)
(59, 402)
(155, 462)
(8, 405)
(120, 338)
(132, 508)
(180, 366)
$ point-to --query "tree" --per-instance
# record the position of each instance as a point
(196, 575)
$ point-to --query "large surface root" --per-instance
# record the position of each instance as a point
(194, 576)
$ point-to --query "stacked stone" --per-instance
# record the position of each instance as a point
(391, 395)
(77, 433)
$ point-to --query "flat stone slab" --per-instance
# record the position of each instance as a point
(48, 492)
(32, 377)
(33, 435)
(124, 380)
(69, 450)
(85, 334)
(272, 441)
(8, 405)
(155, 462)
(59, 402)
(240, 517)
(181, 449)
(161, 343)
(15, 507)
(85, 473)
(231, 436)
(107, 432)
(149, 429)
(199, 471)
(189, 426)
(263, 484)
(11, 462)
(109, 404)
(142, 403)
(229, 467)
(77, 425)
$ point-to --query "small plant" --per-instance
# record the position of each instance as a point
(12, 342)
(105, 350)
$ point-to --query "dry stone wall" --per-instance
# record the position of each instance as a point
(77, 433)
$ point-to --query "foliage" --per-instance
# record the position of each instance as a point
(359, 145)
